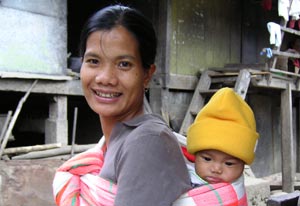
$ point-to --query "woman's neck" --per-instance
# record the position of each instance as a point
(107, 126)
(108, 123)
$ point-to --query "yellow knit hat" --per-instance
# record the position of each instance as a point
(226, 123)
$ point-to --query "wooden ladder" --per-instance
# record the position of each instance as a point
(208, 77)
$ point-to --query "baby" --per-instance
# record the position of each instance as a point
(223, 139)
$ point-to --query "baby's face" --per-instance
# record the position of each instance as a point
(215, 166)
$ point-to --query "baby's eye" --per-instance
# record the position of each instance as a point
(207, 159)
(229, 163)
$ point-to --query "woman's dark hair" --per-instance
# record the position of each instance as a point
(131, 19)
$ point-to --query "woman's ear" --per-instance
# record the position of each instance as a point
(149, 74)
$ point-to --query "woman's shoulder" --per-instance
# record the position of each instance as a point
(152, 122)
(149, 126)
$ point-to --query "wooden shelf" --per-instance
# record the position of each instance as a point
(291, 31)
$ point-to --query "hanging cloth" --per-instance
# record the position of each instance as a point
(285, 11)
(275, 33)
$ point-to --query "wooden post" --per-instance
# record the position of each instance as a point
(242, 83)
(159, 91)
(287, 147)
(56, 127)
(74, 130)
(298, 138)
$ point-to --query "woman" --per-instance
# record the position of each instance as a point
(141, 154)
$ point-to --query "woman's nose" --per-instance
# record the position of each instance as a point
(106, 75)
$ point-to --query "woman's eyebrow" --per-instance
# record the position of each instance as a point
(126, 57)
(90, 54)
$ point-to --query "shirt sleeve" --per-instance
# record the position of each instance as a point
(151, 170)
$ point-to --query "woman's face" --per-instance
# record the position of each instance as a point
(112, 76)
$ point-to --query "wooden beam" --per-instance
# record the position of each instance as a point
(287, 147)
(291, 31)
(182, 82)
(284, 72)
(286, 54)
(23, 75)
(72, 87)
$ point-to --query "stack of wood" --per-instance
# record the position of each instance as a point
(44, 151)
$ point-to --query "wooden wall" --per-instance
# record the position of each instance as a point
(204, 34)
(213, 33)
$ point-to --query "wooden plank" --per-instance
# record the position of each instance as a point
(182, 82)
(242, 83)
(188, 82)
(291, 31)
(226, 74)
(284, 72)
(224, 79)
(237, 67)
(23, 75)
(286, 54)
(209, 91)
(43, 86)
(288, 167)
(273, 84)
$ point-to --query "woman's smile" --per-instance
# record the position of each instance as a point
(108, 95)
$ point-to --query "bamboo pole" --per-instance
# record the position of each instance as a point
(27, 149)
(14, 118)
(8, 117)
(74, 130)
(54, 152)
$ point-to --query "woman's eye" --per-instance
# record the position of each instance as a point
(92, 61)
(124, 64)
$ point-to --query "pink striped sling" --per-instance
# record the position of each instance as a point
(77, 183)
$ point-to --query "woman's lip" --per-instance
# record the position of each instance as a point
(107, 94)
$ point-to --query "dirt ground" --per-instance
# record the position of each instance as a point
(27, 182)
